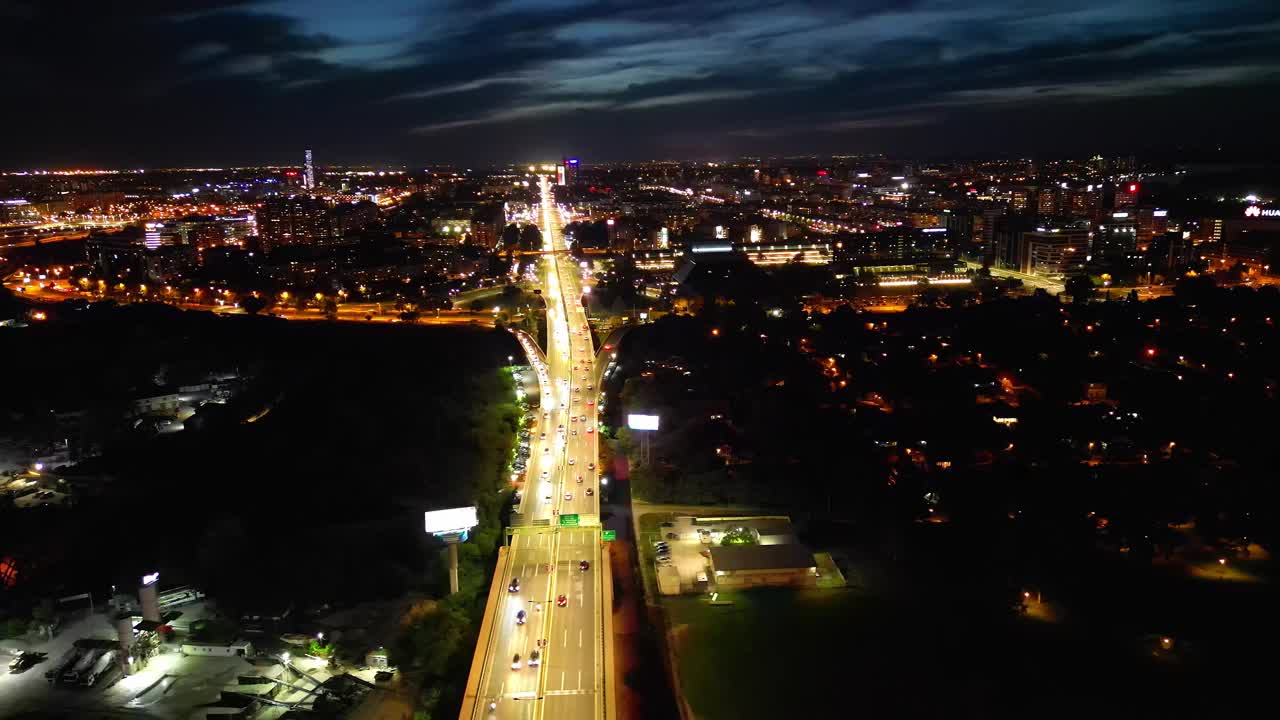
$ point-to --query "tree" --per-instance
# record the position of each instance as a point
(329, 306)
(511, 237)
(253, 304)
(738, 536)
(1079, 287)
(530, 238)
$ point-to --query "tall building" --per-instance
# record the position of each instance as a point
(1047, 201)
(296, 220)
(1007, 245)
(1127, 195)
(570, 166)
(308, 173)
(1117, 235)
(1021, 198)
(1152, 223)
(1056, 252)
(1081, 202)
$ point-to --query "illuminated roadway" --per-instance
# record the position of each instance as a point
(546, 550)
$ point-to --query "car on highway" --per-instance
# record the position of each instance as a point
(672, 536)
(590, 430)
(545, 474)
(520, 617)
(573, 432)
(535, 658)
(562, 600)
(514, 586)
(583, 565)
(579, 479)
(591, 387)
(591, 466)
(571, 460)
(568, 496)
(590, 492)
(515, 662)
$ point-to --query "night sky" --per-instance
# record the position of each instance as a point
(203, 82)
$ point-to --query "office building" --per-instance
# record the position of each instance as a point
(1126, 195)
(1117, 235)
(1151, 223)
(1007, 246)
(570, 167)
(1057, 252)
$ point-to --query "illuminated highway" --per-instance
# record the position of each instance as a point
(556, 529)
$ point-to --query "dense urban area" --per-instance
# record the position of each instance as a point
(643, 360)
(1000, 429)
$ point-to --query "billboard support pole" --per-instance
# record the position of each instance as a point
(453, 565)
(451, 526)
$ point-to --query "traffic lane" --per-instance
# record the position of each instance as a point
(574, 672)
(570, 705)
(571, 663)
(529, 557)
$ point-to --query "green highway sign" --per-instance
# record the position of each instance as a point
(569, 520)
(608, 535)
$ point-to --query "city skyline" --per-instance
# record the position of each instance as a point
(238, 83)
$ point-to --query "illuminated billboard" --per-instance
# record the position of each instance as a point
(441, 522)
(642, 422)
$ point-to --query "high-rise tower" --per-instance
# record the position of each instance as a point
(308, 172)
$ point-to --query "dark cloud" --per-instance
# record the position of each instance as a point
(207, 82)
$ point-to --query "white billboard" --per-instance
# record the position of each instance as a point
(642, 422)
(451, 520)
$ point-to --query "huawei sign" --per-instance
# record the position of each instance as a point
(1253, 211)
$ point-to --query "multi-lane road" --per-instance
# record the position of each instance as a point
(555, 551)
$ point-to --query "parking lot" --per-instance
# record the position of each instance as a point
(689, 540)
(169, 686)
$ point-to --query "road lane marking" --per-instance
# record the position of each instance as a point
(579, 679)
(562, 679)
(579, 637)
(565, 642)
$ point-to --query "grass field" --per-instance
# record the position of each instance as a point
(774, 653)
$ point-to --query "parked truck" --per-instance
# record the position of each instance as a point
(62, 664)
(105, 663)
(86, 661)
